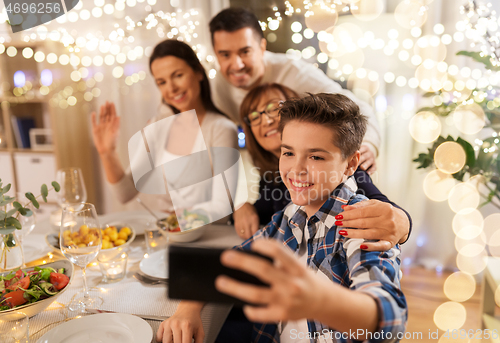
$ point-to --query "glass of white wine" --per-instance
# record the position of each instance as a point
(73, 192)
(80, 242)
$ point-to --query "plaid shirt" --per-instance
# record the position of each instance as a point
(340, 259)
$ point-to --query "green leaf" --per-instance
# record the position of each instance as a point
(6, 231)
(11, 212)
(5, 189)
(29, 212)
(6, 200)
(11, 221)
(32, 198)
(486, 60)
(19, 208)
(44, 191)
(56, 186)
(469, 152)
(425, 160)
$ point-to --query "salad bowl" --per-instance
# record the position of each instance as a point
(36, 307)
(187, 228)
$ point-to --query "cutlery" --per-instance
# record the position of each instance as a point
(143, 316)
(148, 209)
(148, 280)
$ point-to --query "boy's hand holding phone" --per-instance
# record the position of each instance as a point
(295, 292)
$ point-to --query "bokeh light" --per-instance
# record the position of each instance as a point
(425, 127)
(321, 19)
(449, 157)
(471, 247)
(468, 225)
(469, 119)
(410, 13)
(459, 287)
(463, 197)
(367, 10)
(437, 185)
(472, 265)
(450, 315)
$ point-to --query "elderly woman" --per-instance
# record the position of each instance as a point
(381, 219)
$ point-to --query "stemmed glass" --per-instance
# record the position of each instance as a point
(73, 192)
(80, 242)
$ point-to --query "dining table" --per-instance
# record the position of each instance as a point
(127, 295)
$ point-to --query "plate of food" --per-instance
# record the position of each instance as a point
(115, 239)
(32, 290)
(138, 219)
(104, 327)
(155, 265)
(186, 228)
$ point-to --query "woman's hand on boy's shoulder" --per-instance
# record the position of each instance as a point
(183, 326)
(374, 220)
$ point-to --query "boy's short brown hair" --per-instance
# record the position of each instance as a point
(336, 111)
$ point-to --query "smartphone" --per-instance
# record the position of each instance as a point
(193, 270)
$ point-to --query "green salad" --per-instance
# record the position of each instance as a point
(20, 287)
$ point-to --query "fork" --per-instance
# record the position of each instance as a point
(149, 281)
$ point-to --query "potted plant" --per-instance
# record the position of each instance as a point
(10, 250)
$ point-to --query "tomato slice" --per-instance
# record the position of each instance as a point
(15, 298)
(58, 280)
(24, 283)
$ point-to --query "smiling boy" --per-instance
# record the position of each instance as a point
(328, 290)
(323, 287)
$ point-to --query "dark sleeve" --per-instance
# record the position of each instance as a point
(273, 197)
(368, 189)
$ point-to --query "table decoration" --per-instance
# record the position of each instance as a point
(11, 253)
(113, 269)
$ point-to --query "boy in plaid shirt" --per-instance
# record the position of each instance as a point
(323, 287)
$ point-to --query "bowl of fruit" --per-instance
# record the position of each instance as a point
(116, 238)
(189, 227)
(32, 290)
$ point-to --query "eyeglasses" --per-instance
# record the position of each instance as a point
(272, 111)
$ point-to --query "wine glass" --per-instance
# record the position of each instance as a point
(73, 192)
(80, 242)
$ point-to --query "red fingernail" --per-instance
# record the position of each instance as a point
(343, 232)
(362, 246)
(338, 223)
(343, 206)
(339, 216)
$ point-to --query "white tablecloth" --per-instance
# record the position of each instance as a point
(130, 295)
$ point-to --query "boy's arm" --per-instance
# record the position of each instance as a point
(377, 274)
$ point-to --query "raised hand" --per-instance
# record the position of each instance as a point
(367, 161)
(105, 133)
